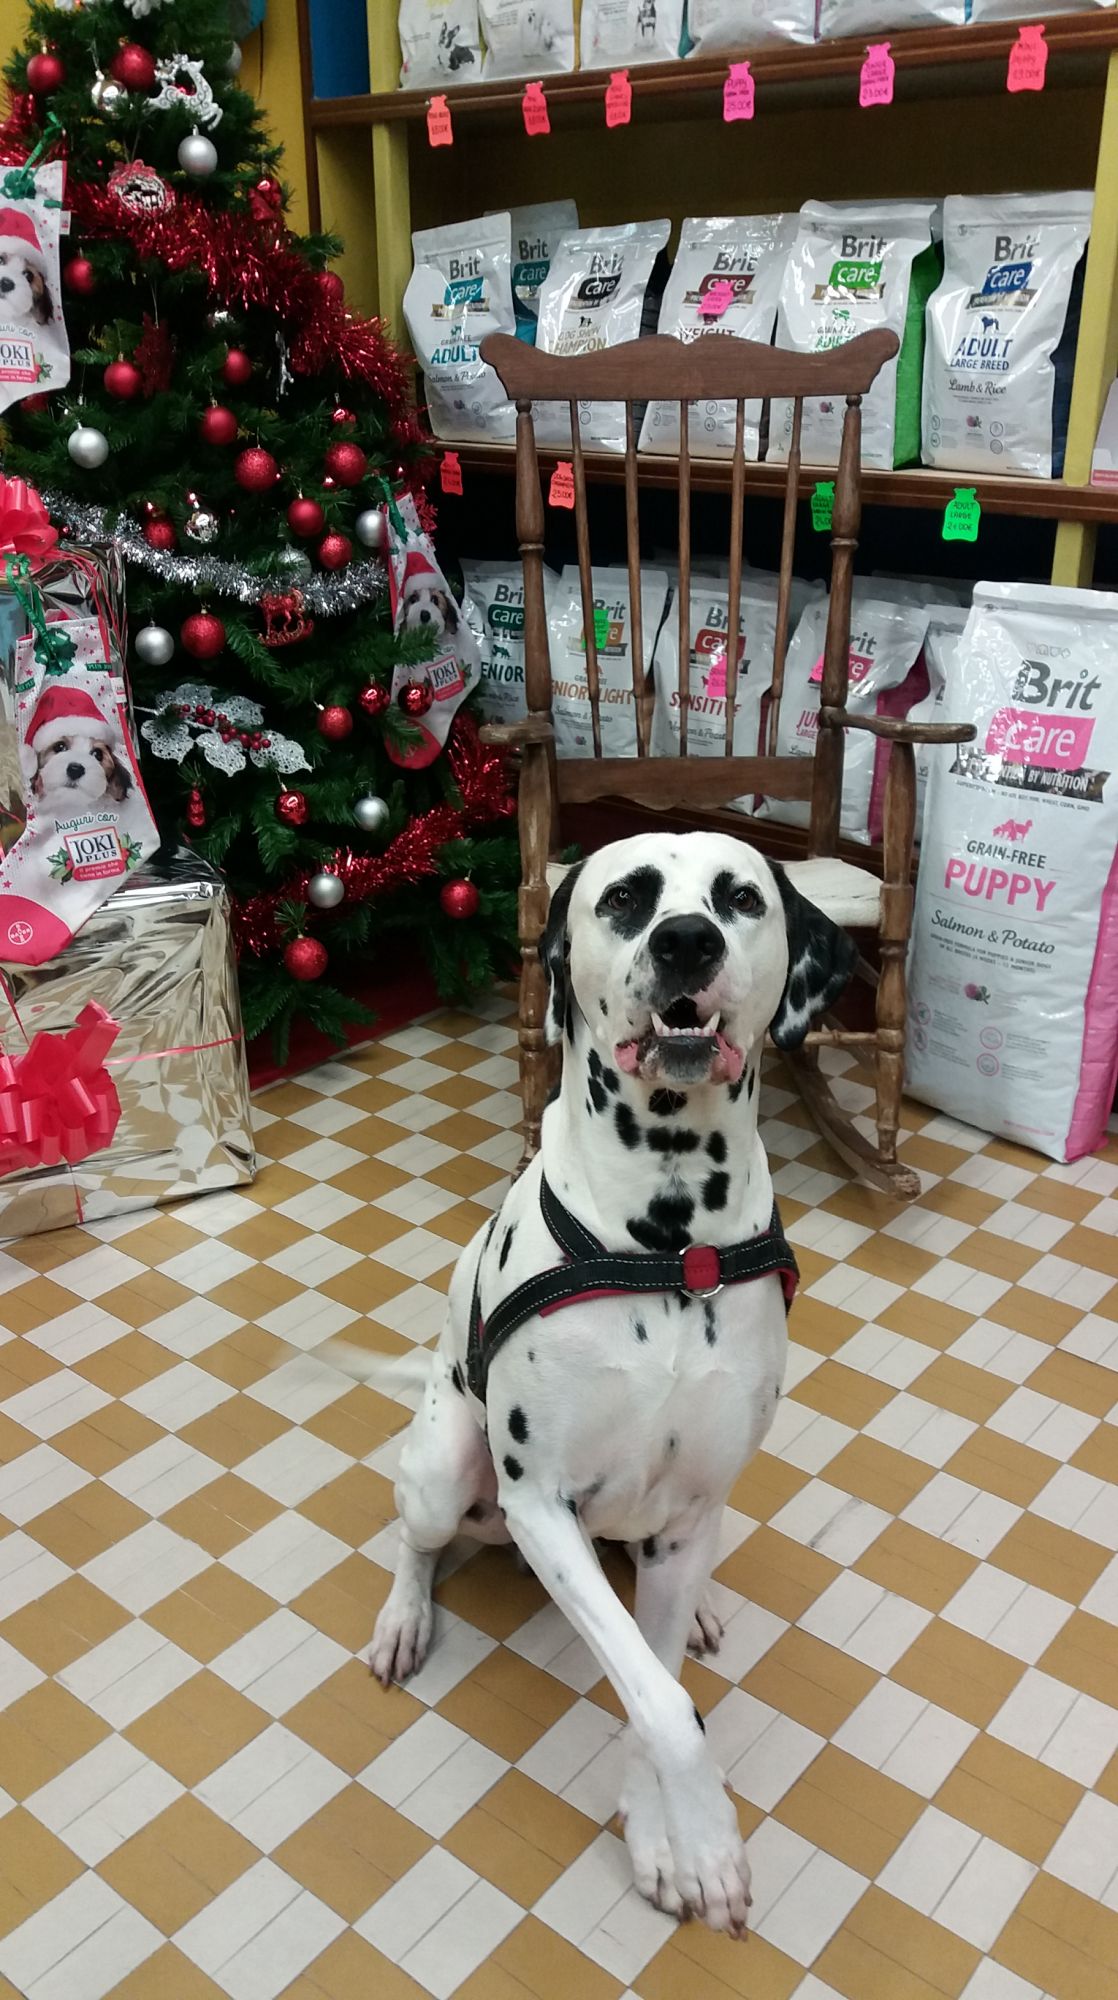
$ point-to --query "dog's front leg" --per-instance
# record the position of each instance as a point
(711, 1874)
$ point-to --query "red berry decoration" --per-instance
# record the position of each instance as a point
(236, 369)
(415, 697)
(218, 425)
(459, 899)
(329, 283)
(78, 275)
(134, 67)
(196, 809)
(160, 534)
(202, 635)
(255, 469)
(335, 724)
(305, 958)
(374, 699)
(334, 550)
(292, 808)
(305, 517)
(123, 380)
(45, 72)
(346, 463)
(342, 416)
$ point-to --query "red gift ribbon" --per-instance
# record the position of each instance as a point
(26, 528)
(57, 1099)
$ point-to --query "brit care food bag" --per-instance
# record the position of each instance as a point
(745, 252)
(496, 590)
(535, 230)
(708, 694)
(1001, 340)
(439, 43)
(527, 37)
(718, 27)
(946, 624)
(593, 297)
(855, 266)
(1013, 969)
(460, 290)
(875, 17)
(629, 31)
(613, 633)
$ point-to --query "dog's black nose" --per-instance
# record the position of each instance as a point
(74, 772)
(7, 284)
(425, 617)
(688, 948)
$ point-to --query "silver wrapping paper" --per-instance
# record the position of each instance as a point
(159, 956)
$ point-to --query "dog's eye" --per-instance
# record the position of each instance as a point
(57, 748)
(747, 900)
(619, 898)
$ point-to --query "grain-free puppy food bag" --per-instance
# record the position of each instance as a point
(439, 43)
(718, 27)
(458, 292)
(593, 297)
(855, 266)
(613, 633)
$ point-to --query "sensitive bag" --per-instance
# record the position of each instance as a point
(458, 292)
(706, 701)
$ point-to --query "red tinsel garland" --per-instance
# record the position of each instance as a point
(483, 785)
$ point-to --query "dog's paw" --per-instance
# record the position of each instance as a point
(706, 1631)
(711, 1869)
(646, 1837)
(401, 1639)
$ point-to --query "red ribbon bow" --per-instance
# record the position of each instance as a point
(57, 1100)
(25, 525)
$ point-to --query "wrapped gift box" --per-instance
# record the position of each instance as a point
(158, 956)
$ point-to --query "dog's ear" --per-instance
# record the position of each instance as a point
(820, 961)
(44, 310)
(120, 783)
(450, 613)
(554, 951)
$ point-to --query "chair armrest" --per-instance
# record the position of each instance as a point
(516, 735)
(894, 730)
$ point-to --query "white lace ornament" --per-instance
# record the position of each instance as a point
(198, 100)
(173, 736)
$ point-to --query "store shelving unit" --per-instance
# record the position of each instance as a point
(952, 127)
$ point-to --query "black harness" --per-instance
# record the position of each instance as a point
(591, 1271)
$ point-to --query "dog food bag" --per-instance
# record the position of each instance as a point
(593, 297)
(876, 17)
(535, 230)
(439, 43)
(854, 266)
(994, 325)
(706, 713)
(747, 252)
(1029, 10)
(496, 590)
(717, 27)
(458, 292)
(1013, 971)
(527, 37)
(945, 629)
(574, 734)
(629, 31)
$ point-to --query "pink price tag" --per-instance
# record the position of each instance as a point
(450, 473)
(1028, 58)
(876, 83)
(738, 93)
(561, 492)
(716, 298)
(533, 108)
(440, 131)
(619, 98)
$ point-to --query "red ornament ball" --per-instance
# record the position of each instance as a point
(305, 517)
(236, 369)
(346, 463)
(196, 809)
(160, 534)
(342, 416)
(329, 283)
(34, 404)
(202, 636)
(217, 425)
(335, 724)
(459, 899)
(415, 697)
(134, 67)
(305, 958)
(45, 72)
(374, 699)
(255, 469)
(79, 275)
(334, 550)
(123, 380)
(292, 808)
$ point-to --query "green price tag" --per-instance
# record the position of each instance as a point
(961, 516)
(823, 506)
(601, 626)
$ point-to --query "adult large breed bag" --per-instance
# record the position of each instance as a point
(746, 251)
(877, 17)
(496, 592)
(527, 37)
(707, 697)
(854, 266)
(994, 325)
(439, 43)
(593, 297)
(1013, 974)
(574, 734)
(717, 27)
(629, 31)
(458, 292)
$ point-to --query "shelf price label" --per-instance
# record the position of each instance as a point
(619, 98)
(440, 131)
(738, 93)
(561, 492)
(875, 86)
(450, 473)
(823, 506)
(1028, 58)
(716, 298)
(601, 627)
(961, 516)
(534, 111)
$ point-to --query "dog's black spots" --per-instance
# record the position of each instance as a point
(665, 1103)
(649, 1548)
(716, 1148)
(513, 1466)
(597, 1096)
(506, 1246)
(628, 1131)
(640, 1329)
(571, 1504)
(531, 1354)
(458, 1379)
(594, 1063)
(603, 1006)
(479, 1511)
(716, 1189)
(629, 905)
(674, 1548)
(589, 1107)
(665, 1225)
(710, 1329)
(672, 1445)
(671, 1139)
(553, 1095)
(518, 1425)
(736, 1089)
(610, 1078)
(699, 1720)
(569, 1021)
(750, 1081)
(721, 895)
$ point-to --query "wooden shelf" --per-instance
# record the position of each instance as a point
(1078, 46)
(1040, 499)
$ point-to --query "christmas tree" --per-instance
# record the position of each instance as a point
(248, 444)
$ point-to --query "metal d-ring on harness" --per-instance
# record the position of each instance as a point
(592, 1271)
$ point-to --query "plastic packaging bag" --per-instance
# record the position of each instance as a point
(718, 27)
(593, 297)
(458, 292)
(629, 31)
(535, 230)
(496, 591)
(882, 17)
(527, 37)
(574, 735)
(706, 713)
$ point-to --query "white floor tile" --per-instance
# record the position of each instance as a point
(415, 1903)
(36, 1480)
(239, 1914)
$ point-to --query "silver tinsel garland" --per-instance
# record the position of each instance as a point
(350, 589)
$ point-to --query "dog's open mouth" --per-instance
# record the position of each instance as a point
(681, 1046)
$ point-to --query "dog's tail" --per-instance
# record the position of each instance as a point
(390, 1372)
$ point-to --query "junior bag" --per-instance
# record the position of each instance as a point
(527, 37)
(574, 735)
(439, 43)
(458, 292)
(593, 297)
(629, 31)
(1013, 973)
(718, 27)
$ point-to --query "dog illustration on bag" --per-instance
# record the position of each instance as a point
(24, 292)
(1013, 829)
(72, 757)
(425, 604)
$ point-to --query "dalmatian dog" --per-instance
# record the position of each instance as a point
(620, 1415)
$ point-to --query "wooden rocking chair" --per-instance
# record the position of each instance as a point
(694, 789)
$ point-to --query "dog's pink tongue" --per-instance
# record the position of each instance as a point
(625, 1056)
(728, 1063)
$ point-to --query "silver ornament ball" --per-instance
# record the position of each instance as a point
(294, 565)
(88, 447)
(369, 528)
(197, 155)
(201, 525)
(371, 814)
(325, 891)
(154, 645)
(108, 95)
(234, 60)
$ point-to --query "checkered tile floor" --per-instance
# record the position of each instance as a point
(916, 1701)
